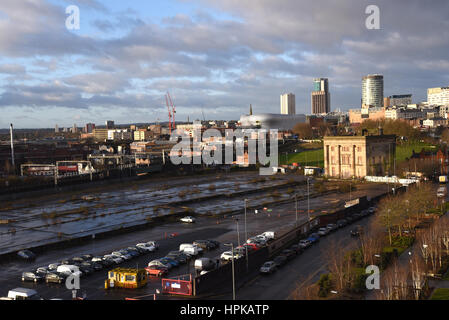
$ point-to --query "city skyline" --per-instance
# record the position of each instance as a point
(212, 57)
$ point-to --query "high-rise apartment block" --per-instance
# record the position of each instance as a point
(288, 103)
(320, 96)
(373, 91)
(438, 96)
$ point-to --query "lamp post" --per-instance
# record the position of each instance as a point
(233, 274)
(238, 233)
(308, 198)
(246, 237)
(296, 208)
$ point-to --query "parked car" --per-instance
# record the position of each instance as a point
(53, 266)
(32, 276)
(122, 254)
(349, 219)
(305, 243)
(357, 231)
(66, 261)
(26, 255)
(147, 247)
(133, 251)
(117, 259)
(314, 237)
(254, 246)
(188, 219)
(332, 227)
(296, 248)
(323, 231)
(176, 256)
(158, 262)
(69, 270)
(268, 267)
(77, 260)
(55, 277)
(371, 210)
(86, 268)
(153, 244)
(290, 254)
(171, 261)
(357, 216)
(280, 260)
(215, 243)
(42, 270)
(156, 270)
(87, 257)
(205, 244)
(227, 255)
(269, 235)
(341, 223)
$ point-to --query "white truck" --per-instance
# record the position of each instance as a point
(22, 294)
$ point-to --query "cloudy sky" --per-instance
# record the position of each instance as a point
(212, 56)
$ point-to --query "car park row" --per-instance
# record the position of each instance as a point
(296, 249)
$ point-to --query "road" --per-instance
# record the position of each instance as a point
(303, 270)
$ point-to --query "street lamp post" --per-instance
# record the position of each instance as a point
(246, 237)
(233, 274)
(238, 233)
(296, 208)
(308, 199)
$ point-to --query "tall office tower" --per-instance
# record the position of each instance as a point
(56, 129)
(288, 103)
(109, 124)
(438, 96)
(321, 97)
(373, 91)
(89, 127)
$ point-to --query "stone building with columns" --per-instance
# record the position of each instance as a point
(359, 156)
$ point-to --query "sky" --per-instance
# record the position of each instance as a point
(214, 57)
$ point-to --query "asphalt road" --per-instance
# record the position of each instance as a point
(303, 270)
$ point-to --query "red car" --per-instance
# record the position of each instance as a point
(156, 271)
(253, 246)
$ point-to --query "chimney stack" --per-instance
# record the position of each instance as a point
(12, 147)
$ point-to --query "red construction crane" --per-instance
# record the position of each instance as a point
(171, 112)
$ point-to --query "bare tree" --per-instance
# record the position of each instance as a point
(337, 264)
(394, 283)
(418, 275)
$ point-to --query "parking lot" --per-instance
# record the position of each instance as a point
(224, 230)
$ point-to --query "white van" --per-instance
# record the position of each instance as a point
(69, 269)
(23, 294)
(204, 264)
(189, 249)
